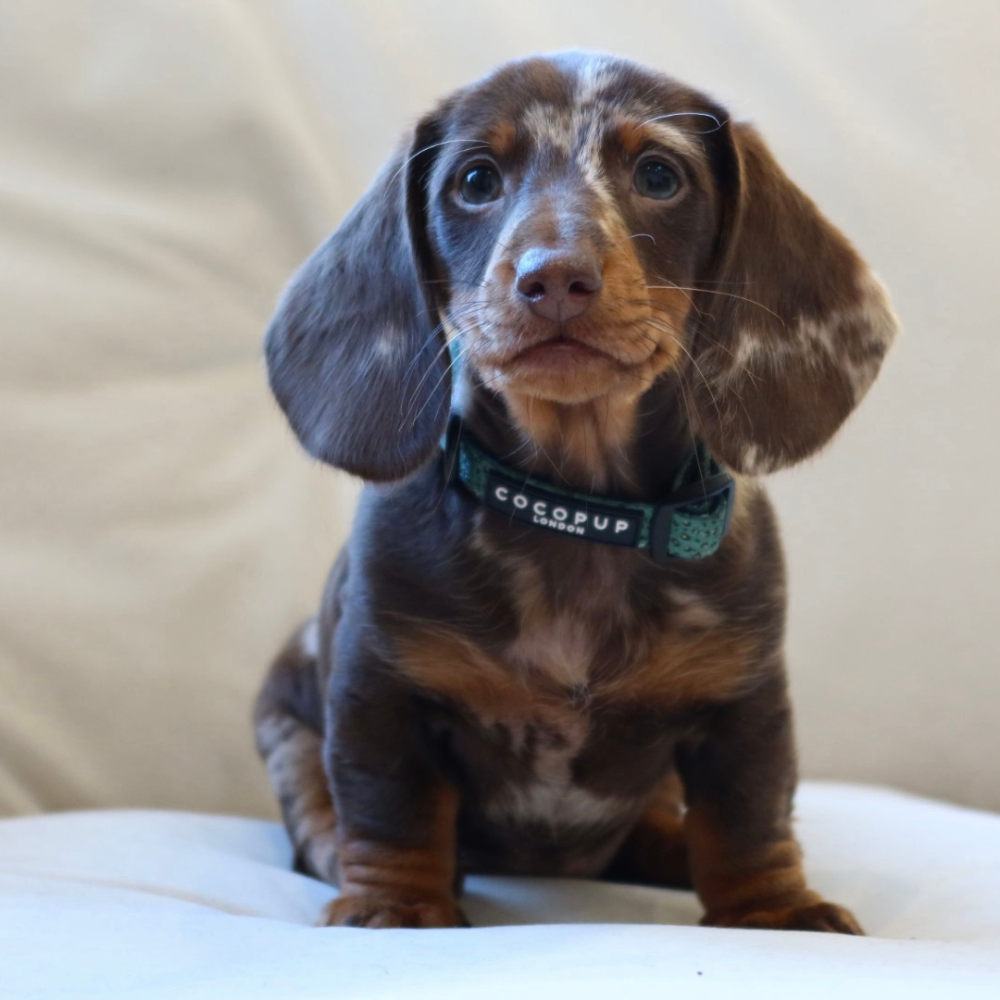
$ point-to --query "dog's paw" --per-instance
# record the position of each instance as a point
(827, 917)
(388, 911)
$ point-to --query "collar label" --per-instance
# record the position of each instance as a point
(562, 514)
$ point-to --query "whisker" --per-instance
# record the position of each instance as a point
(680, 343)
(434, 333)
(690, 114)
(430, 395)
(731, 295)
(471, 143)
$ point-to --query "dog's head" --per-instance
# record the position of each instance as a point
(583, 227)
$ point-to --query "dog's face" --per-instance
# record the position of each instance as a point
(572, 206)
(583, 227)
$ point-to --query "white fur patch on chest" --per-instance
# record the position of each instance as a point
(550, 798)
(560, 648)
(555, 806)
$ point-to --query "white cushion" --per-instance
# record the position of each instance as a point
(139, 905)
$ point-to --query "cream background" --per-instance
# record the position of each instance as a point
(165, 165)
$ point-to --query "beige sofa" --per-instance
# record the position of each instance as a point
(166, 166)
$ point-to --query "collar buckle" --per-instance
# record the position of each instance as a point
(678, 527)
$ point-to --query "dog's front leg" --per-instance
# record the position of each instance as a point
(739, 777)
(395, 813)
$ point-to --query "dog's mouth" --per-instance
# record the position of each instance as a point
(566, 367)
(559, 354)
(574, 363)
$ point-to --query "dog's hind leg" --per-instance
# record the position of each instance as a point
(655, 852)
(288, 721)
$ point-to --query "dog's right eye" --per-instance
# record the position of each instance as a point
(480, 184)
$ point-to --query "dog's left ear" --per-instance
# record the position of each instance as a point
(793, 326)
(355, 352)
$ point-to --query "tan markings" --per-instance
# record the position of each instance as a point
(532, 688)
(587, 413)
(731, 879)
(664, 669)
(384, 885)
(636, 134)
(587, 418)
(501, 136)
(293, 754)
(675, 138)
(632, 137)
(685, 668)
(672, 306)
(587, 440)
(456, 669)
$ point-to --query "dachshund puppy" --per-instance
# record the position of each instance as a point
(553, 643)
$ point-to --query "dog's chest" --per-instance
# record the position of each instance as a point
(555, 650)
(559, 665)
(543, 726)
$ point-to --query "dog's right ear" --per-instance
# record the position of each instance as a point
(355, 353)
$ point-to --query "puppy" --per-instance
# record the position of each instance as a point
(553, 643)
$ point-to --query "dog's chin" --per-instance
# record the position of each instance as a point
(560, 387)
(566, 372)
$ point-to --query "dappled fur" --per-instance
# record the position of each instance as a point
(477, 694)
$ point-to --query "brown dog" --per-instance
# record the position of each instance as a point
(555, 646)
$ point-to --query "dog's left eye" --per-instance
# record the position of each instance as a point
(656, 179)
(480, 184)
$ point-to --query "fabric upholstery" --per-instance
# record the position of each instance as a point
(165, 166)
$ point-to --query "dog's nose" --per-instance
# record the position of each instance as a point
(557, 284)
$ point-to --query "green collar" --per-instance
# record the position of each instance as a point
(689, 523)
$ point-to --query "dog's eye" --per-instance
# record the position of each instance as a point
(480, 184)
(656, 179)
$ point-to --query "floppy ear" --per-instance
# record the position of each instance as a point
(793, 324)
(354, 353)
